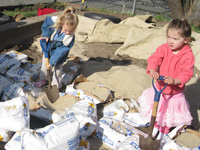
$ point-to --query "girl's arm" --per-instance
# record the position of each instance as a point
(154, 61)
(46, 27)
(187, 69)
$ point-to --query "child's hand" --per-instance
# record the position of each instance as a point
(170, 80)
(154, 74)
(47, 39)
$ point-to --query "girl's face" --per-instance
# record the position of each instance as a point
(67, 29)
(175, 40)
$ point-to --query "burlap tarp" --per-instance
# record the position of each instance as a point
(140, 39)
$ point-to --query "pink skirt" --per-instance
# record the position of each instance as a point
(172, 110)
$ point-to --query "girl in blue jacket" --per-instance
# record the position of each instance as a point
(57, 40)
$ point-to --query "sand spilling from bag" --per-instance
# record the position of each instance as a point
(63, 102)
(94, 89)
(188, 140)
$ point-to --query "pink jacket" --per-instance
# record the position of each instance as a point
(178, 66)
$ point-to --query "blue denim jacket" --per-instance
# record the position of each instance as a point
(58, 51)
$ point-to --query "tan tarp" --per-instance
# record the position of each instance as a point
(140, 39)
(140, 43)
(85, 28)
(148, 40)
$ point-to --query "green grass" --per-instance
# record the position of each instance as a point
(103, 10)
(195, 29)
(25, 14)
(161, 18)
(19, 10)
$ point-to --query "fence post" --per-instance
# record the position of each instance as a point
(82, 3)
(134, 3)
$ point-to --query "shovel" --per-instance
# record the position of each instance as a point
(149, 143)
(52, 92)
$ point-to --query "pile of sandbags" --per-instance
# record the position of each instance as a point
(72, 118)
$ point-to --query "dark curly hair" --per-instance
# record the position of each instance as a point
(182, 25)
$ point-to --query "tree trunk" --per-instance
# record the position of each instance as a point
(188, 9)
(187, 5)
(176, 9)
(193, 15)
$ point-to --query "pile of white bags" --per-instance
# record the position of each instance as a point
(14, 114)
(61, 135)
(69, 127)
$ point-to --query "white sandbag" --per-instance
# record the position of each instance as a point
(59, 115)
(122, 127)
(92, 89)
(17, 74)
(10, 59)
(17, 55)
(5, 136)
(135, 120)
(131, 143)
(14, 114)
(63, 135)
(4, 82)
(171, 140)
(107, 135)
(7, 63)
(33, 68)
(43, 114)
(173, 145)
(132, 104)
(95, 89)
(26, 140)
(81, 94)
(12, 91)
(85, 112)
(115, 110)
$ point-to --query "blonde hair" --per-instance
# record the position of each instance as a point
(69, 17)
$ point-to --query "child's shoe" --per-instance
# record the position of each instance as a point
(160, 136)
(154, 133)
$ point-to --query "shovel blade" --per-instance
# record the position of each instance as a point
(148, 143)
(52, 93)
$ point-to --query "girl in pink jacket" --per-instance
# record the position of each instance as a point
(175, 61)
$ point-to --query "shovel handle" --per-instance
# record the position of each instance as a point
(155, 108)
(155, 104)
(49, 78)
(157, 93)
